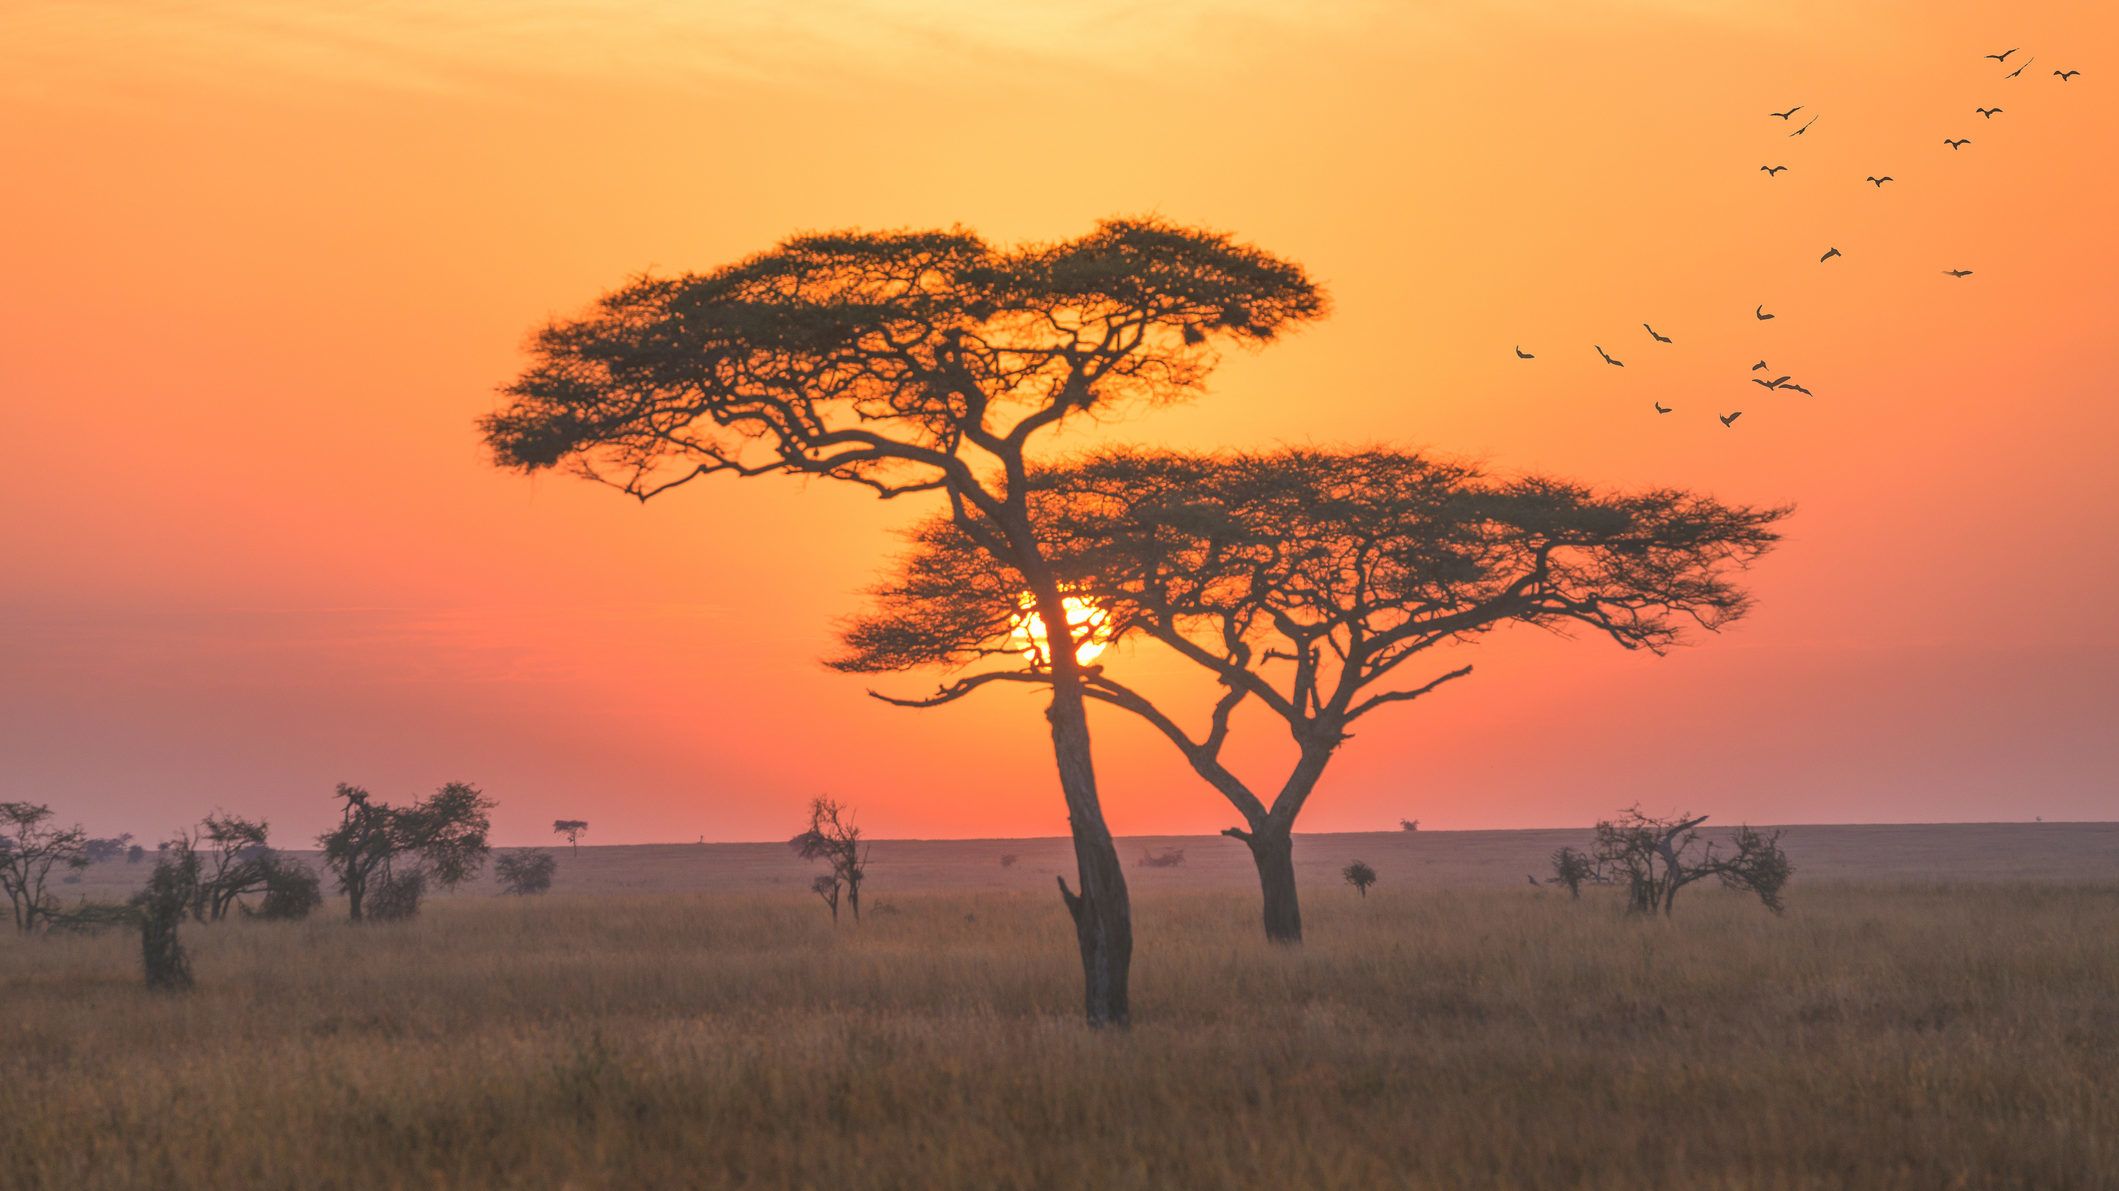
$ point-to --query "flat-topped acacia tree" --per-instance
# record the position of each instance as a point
(1308, 582)
(911, 362)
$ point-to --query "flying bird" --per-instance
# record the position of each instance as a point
(1989, 113)
(1805, 128)
(1608, 359)
(1959, 143)
(1730, 419)
(1798, 388)
(1957, 272)
(1761, 312)
(2001, 57)
(1772, 169)
(2019, 70)
(1788, 113)
(2065, 75)
(1524, 355)
(1775, 383)
(1829, 254)
(1757, 366)
(1877, 182)
(1661, 408)
(1656, 337)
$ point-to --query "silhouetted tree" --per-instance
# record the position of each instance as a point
(1408, 824)
(526, 872)
(1304, 581)
(396, 849)
(161, 907)
(827, 886)
(912, 362)
(106, 848)
(234, 859)
(572, 829)
(1360, 876)
(292, 890)
(1571, 867)
(833, 838)
(135, 854)
(1654, 855)
(30, 847)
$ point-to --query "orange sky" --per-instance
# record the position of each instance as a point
(261, 270)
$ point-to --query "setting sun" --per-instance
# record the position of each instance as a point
(1087, 622)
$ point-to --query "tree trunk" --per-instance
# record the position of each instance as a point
(355, 886)
(1103, 915)
(1273, 851)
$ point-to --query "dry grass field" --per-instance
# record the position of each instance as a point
(1918, 1019)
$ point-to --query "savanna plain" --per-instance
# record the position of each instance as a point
(1924, 1015)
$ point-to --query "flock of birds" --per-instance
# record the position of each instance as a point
(1787, 383)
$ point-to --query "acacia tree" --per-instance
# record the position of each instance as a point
(911, 362)
(572, 829)
(1360, 875)
(1305, 581)
(833, 837)
(1656, 856)
(30, 847)
(397, 848)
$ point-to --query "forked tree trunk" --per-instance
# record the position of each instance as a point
(1273, 851)
(1103, 915)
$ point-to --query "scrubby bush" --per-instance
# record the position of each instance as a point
(1571, 867)
(292, 891)
(1360, 876)
(526, 872)
(396, 896)
(162, 907)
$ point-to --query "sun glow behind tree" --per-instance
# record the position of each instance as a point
(1088, 624)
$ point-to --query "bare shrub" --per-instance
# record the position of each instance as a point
(1167, 858)
(1653, 854)
(1360, 876)
(827, 886)
(526, 872)
(833, 838)
(397, 896)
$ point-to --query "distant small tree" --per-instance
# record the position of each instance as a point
(1360, 876)
(234, 859)
(1409, 824)
(162, 906)
(1654, 854)
(572, 829)
(526, 872)
(292, 890)
(106, 848)
(135, 854)
(833, 838)
(377, 846)
(1571, 867)
(827, 886)
(30, 847)
(1007, 860)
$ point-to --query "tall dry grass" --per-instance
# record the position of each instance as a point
(1888, 1036)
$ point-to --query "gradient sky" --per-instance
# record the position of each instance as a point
(262, 267)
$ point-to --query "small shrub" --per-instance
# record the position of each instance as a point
(1571, 867)
(526, 872)
(291, 891)
(1008, 860)
(1360, 876)
(162, 907)
(396, 897)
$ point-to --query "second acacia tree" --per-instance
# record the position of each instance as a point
(1311, 584)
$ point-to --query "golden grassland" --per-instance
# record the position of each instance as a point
(1888, 1034)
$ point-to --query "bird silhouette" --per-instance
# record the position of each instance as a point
(2001, 57)
(1829, 254)
(1656, 337)
(1957, 272)
(1877, 182)
(1989, 113)
(1730, 419)
(1661, 408)
(1805, 128)
(1761, 312)
(1772, 169)
(1770, 384)
(1798, 388)
(1757, 366)
(2019, 70)
(1608, 359)
(1788, 113)
(1532, 879)
(2065, 75)
(1524, 355)
(1959, 143)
